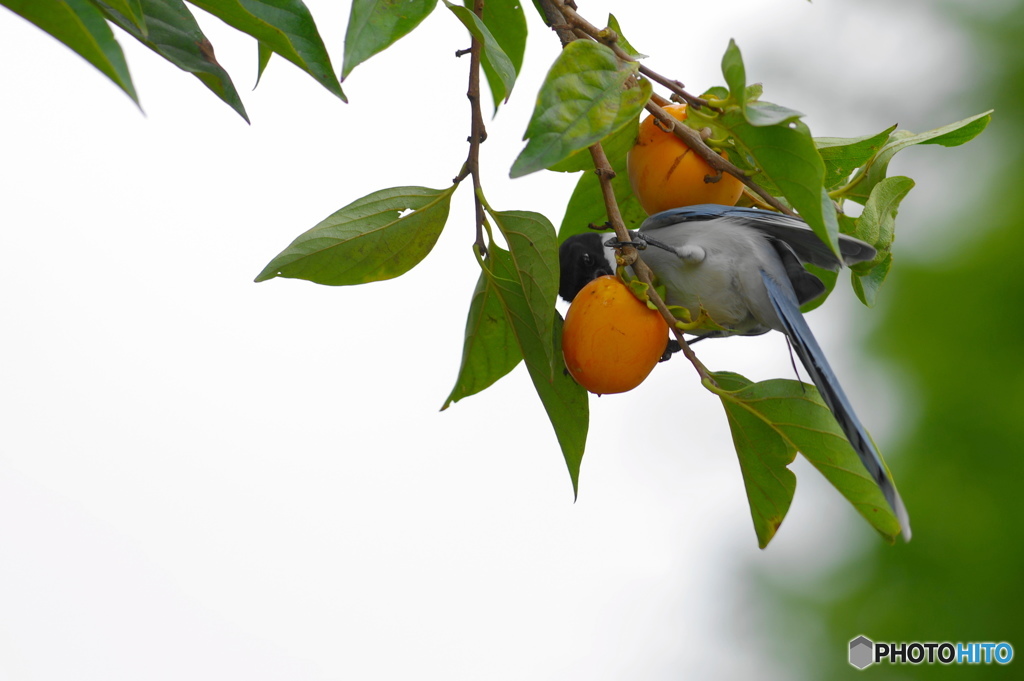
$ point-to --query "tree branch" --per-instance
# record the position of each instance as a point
(629, 255)
(676, 87)
(569, 26)
(556, 21)
(477, 132)
(607, 36)
(580, 26)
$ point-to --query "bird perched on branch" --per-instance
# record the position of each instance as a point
(744, 268)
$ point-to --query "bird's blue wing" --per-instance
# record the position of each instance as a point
(674, 216)
(794, 231)
(752, 217)
(810, 353)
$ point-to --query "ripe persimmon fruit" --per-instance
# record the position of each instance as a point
(665, 173)
(611, 340)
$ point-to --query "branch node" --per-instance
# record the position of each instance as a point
(626, 256)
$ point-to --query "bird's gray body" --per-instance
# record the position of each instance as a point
(710, 269)
(719, 254)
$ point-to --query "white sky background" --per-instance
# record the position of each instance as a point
(205, 478)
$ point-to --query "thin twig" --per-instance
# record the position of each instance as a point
(607, 36)
(676, 87)
(605, 175)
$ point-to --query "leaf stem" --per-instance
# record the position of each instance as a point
(840, 193)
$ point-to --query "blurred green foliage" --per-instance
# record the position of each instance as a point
(955, 328)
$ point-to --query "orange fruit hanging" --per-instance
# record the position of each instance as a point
(611, 340)
(665, 173)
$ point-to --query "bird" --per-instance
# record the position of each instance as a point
(744, 267)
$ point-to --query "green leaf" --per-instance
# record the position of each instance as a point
(631, 104)
(950, 135)
(877, 226)
(493, 58)
(284, 26)
(764, 459)
(371, 239)
(174, 34)
(490, 350)
(534, 250)
(866, 285)
(877, 222)
(375, 25)
(581, 101)
(787, 159)
(616, 144)
(763, 114)
(843, 155)
(735, 73)
(777, 417)
(828, 277)
(613, 24)
(507, 24)
(525, 280)
(759, 114)
(567, 404)
(716, 92)
(263, 58)
(79, 25)
(586, 206)
(130, 10)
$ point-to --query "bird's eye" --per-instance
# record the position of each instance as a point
(588, 259)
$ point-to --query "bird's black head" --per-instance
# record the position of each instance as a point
(582, 258)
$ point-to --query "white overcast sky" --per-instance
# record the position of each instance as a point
(206, 478)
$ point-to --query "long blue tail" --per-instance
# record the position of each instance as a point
(824, 378)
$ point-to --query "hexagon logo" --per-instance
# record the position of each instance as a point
(862, 652)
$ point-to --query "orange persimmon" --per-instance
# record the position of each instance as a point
(665, 173)
(611, 340)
